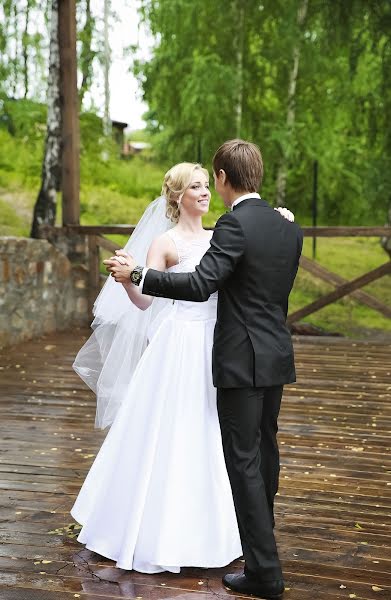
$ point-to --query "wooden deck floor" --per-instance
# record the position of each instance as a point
(333, 510)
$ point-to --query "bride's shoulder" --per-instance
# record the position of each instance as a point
(162, 245)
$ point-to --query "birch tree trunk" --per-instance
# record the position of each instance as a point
(46, 204)
(290, 117)
(240, 44)
(87, 54)
(106, 67)
(25, 50)
(16, 60)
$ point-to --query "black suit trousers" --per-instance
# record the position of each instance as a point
(248, 421)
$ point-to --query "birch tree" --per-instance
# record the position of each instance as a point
(290, 117)
(106, 69)
(241, 7)
(87, 54)
(46, 203)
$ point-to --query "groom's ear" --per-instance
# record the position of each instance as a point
(222, 176)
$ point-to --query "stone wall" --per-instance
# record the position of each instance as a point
(41, 290)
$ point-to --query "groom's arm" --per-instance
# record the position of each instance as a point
(226, 248)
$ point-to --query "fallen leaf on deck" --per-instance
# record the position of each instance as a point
(377, 588)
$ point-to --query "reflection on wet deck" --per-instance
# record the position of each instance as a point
(332, 510)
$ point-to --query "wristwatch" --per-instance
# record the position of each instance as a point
(136, 275)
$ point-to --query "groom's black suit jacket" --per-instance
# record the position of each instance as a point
(252, 262)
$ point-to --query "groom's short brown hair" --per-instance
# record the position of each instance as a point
(242, 163)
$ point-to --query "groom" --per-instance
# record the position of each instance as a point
(252, 262)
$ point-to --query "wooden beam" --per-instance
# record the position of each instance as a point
(308, 231)
(342, 231)
(340, 292)
(102, 229)
(107, 244)
(318, 271)
(70, 112)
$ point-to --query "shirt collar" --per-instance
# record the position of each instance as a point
(244, 197)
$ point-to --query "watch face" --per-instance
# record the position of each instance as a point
(136, 275)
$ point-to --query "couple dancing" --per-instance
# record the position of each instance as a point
(185, 476)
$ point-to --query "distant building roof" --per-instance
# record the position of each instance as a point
(119, 124)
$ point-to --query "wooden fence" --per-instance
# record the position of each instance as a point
(97, 241)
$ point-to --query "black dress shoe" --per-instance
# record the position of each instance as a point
(268, 590)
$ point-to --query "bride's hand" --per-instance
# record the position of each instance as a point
(122, 257)
(287, 214)
(119, 259)
(124, 254)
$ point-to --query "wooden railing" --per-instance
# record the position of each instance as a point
(97, 241)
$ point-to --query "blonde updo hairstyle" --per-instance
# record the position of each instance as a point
(175, 183)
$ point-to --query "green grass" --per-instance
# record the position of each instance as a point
(10, 222)
(349, 258)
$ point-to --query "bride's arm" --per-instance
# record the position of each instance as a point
(157, 258)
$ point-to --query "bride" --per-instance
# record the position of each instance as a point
(157, 497)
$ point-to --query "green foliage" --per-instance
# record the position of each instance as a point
(24, 46)
(112, 189)
(11, 223)
(342, 103)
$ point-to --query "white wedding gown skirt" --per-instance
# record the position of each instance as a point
(157, 496)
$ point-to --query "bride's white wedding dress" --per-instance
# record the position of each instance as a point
(157, 496)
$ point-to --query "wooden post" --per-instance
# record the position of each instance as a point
(70, 113)
(93, 271)
(314, 205)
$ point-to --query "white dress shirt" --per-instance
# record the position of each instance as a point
(237, 201)
(244, 197)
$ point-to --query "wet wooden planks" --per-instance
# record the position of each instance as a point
(333, 507)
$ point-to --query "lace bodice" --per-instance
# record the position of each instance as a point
(190, 252)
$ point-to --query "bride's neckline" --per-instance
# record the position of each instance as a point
(205, 235)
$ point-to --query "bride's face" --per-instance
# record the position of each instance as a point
(196, 198)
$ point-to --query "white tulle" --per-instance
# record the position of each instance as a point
(157, 496)
(109, 357)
